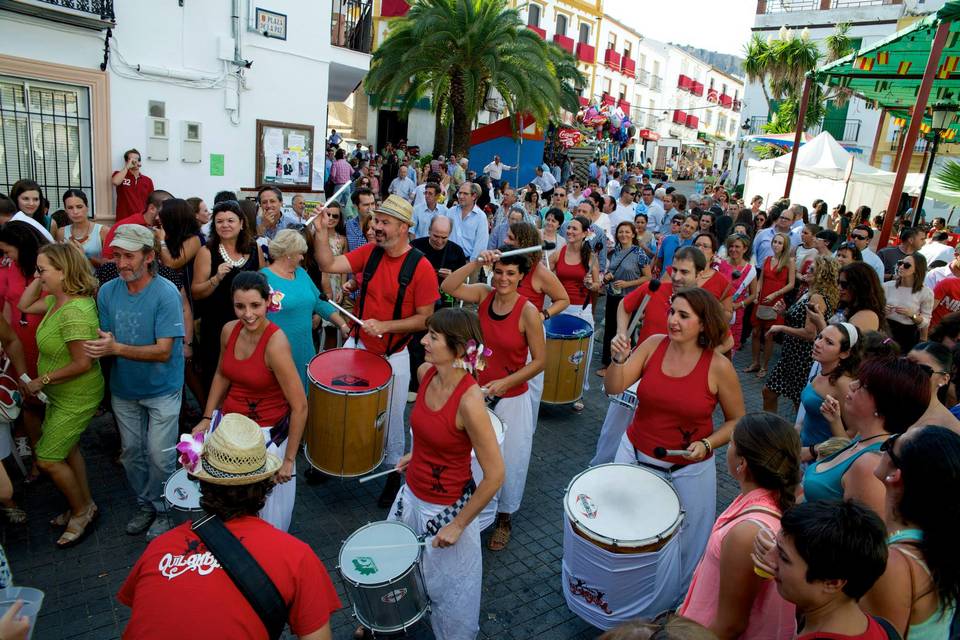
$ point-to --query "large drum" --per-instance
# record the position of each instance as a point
(347, 426)
(621, 544)
(489, 513)
(568, 341)
(182, 495)
(380, 567)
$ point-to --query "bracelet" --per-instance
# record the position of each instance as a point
(206, 418)
(620, 362)
(546, 314)
(706, 443)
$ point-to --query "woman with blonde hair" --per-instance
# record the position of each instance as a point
(71, 380)
(777, 277)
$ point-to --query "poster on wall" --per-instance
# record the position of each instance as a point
(284, 155)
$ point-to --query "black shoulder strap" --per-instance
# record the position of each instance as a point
(889, 629)
(368, 270)
(407, 270)
(249, 577)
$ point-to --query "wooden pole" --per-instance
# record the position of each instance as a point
(801, 116)
(916, 117)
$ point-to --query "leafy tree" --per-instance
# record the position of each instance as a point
(460, 51)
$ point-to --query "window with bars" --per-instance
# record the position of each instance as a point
(45, 136)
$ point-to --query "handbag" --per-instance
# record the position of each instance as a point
(766, 312)
(245, 572)
(10, 398)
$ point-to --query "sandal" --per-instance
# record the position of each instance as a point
(753, 368)
(15, 515)
(61, 520)
(78, 527)
(762, 373)
(578, 406)
(501, 536)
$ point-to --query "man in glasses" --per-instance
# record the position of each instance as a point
(861, 236)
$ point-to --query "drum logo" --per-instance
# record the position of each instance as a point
(349, 380)
(181, 493)
(393, 597)
(381, 420)
(587, 506)
(593, 597)
(576, 357)
(365, 565)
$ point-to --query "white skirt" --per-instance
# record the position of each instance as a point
(278, 510)
(615, 424)
(453, 575)
(517, 447)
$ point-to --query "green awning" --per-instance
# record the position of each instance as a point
(888, 73)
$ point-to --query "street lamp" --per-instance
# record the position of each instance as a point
(745, 127)
(942, 119)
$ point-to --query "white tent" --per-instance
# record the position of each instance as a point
(824, 170)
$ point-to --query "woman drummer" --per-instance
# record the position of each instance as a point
(512, 327)
(448, 419)
(682, 378)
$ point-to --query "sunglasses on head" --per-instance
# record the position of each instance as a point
(903, 264)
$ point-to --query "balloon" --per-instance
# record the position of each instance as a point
(631, 131)
(615, 121)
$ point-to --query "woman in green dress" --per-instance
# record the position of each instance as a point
(71, 381)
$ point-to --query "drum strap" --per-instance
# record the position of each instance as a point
(446, 516)
(246, 573)
(407, 271)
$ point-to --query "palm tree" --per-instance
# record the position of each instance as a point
(949, 176)
(460, 50)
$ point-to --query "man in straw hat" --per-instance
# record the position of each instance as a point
(177, 575)
(397, 295)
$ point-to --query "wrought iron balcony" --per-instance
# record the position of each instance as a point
(352, 25)
(643, 77)
(656, 83)
(842, 130)
(89, 14)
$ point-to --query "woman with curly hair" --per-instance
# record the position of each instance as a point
(790, 373)
(919, 589)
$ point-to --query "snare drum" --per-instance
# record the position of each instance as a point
(182, 495)
(568, 340)
(380, 567)
(628, 398)
(621, 551)
(489, 513)
(347, 426)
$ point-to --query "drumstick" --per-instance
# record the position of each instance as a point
(654, 285)
(373, 476)
(327, 203)
(349, 315)
(421, 543)
(546, 246)
(660, 452)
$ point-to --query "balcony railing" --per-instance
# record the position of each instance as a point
(756, 125)
(643, 77)
(564, 43)
(586, 53)
(90, 14)
(787, 6)
(352, 25)
(842, 130)
(656, 83)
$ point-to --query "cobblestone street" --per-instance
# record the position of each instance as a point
(522, 595)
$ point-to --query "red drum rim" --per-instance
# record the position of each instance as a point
(349, 371)
(578, 523)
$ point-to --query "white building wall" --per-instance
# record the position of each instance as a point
(288, 81)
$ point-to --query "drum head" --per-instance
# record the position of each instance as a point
(379, 552)
(622, 503)
(182, 492)
(349, 370)
(567, 327)
(499, 430)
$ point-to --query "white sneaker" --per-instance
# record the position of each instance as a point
(162, 524)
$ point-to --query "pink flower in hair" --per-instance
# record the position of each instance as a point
(191, 449)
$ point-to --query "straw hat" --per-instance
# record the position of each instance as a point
(397, 207)
(235, 453)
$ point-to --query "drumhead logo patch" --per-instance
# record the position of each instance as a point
(593, 597)
(348, 380)
(393, 597)
(181, 493)
(365, 565)
(587, 506)
(576, 357)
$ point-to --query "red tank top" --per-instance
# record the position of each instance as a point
(672, 412)
(439, 468)
(254, 390)
(509, 346)
(525, 288)
(571, 277)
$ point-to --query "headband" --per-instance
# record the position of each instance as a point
(852, 332)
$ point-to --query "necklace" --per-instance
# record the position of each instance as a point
(239, 262)
(879, 435)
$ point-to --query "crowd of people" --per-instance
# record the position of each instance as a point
(183, 319)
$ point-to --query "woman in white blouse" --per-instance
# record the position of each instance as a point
(909, 302)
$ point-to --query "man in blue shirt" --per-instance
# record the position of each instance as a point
(498, 237)
(862, 234)
(424, 214)
(364, 202)
(469, 222)
(782, 224)
(656, 216)
(403, 186)
(141, 322)
(671, 243)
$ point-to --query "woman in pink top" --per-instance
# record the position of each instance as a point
(726, 595)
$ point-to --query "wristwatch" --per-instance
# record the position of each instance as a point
(45, 380)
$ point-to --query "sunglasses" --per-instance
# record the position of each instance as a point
(887, 448)
(927, 369)
(857, 236)
(847, 245)
(903, 264)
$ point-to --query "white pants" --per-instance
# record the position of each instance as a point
(278, 510)
(535, 392)
(517, 446)
(584, 314)
(611, 433)
(396, 429)
(453, 575)
(697, 486)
